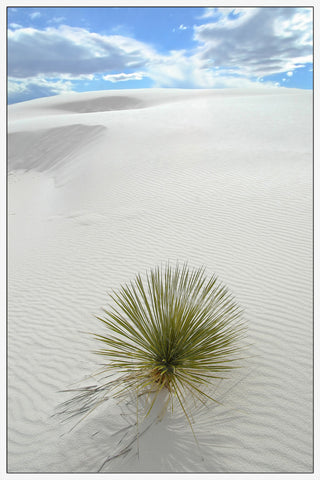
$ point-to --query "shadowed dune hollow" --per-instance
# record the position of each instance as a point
(101, 104)
(45, 149)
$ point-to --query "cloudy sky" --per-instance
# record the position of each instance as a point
(58, 50)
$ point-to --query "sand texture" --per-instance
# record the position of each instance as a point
(104, 185)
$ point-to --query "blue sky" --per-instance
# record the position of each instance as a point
(60, 50)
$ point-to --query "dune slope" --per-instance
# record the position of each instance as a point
(107, 184)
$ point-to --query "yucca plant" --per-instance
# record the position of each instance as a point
(175, 331)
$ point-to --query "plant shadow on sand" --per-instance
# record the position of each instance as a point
(112, 440)
(168, 444)
(170, 339)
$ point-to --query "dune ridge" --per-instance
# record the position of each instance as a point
(215, 178)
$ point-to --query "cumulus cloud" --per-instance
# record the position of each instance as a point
(235, 47)
(70, 50)
(257, 41)
(122, 77)
(181, 71)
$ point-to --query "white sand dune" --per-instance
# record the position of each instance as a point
(105, 185)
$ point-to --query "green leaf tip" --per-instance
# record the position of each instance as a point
(174, 329)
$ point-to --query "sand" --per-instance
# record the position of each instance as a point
(104, 185)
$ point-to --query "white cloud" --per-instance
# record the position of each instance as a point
(27, 89)
(259, 41)
(209, 12)
(15, 25)
(232, 51)
(70, 50)
(34, 15)
(57, 20)
(181, 71)
(222, 15)
(122, 77)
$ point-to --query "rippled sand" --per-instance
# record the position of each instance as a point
(105, 185)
